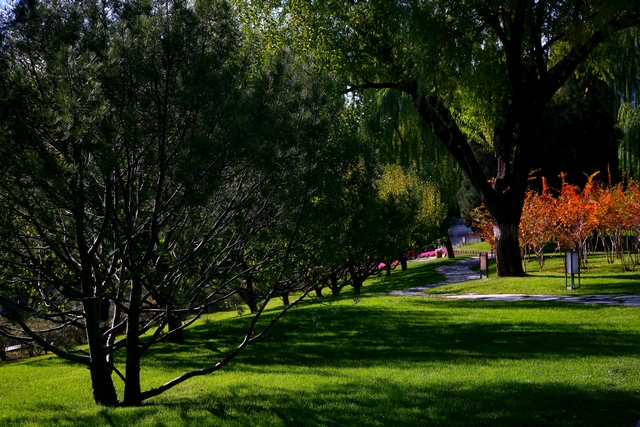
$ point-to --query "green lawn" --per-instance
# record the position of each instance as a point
(376, 361)
(480, 247)
(599, 278)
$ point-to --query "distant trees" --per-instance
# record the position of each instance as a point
(580, 220)
(154, 169)
(391, 124)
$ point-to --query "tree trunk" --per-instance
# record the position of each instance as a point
(334, 285)
(318, 290)
(285, 298)
(104, 392)
(357, 285)
(132, 393)
(111, 338)
(450, 253)
(249, 298)
(508, 262)
(248, 294)
(176, 333)
(540, 256)
(404, 263)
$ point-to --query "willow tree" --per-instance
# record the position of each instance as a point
(391, 125)
(620, 65)
(416, 208)
(480, 69)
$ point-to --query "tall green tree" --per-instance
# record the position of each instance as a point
(481, 69)
(151, 163)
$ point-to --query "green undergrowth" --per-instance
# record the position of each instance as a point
(383, 361)
(599, 277)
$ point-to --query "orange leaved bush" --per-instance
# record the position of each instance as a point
(606, 215)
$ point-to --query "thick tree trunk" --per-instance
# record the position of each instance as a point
(104, 392)
(285, 298)
(508, 260)
(318, 290)
(404, 263)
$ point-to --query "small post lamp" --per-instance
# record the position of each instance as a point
(571, 267)
(484, 263)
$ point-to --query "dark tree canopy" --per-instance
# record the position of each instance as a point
(155, 168)
(578, 135)
(482, 69)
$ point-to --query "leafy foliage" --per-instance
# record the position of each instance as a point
(576, 219)
(156, 170)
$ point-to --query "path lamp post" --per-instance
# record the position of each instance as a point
(484, 263)
(571, 267)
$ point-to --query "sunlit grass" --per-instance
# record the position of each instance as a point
(479, 246)
(384, 361)
(374, 361)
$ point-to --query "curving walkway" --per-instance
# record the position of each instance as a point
(457, 272)
(461, 272)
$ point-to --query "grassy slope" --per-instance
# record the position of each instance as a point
(381, 361)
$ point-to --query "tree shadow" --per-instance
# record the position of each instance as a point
(419, 274)
(339, 341)
(427, 329)
(343, 400)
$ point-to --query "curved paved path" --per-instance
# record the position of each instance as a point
(457, 272)
(461, 272)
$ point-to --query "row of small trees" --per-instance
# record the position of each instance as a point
(581, 220)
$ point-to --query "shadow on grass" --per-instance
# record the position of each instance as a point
(426, 330)
(372, 404)
(451, 404)
(353, 348)
(419, 273)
